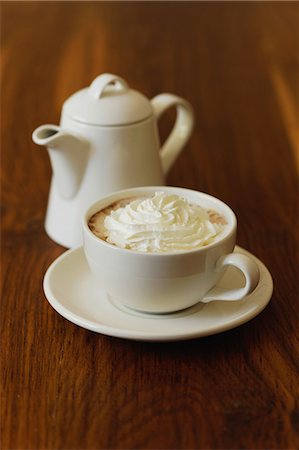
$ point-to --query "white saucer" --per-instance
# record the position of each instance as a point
(72, 291)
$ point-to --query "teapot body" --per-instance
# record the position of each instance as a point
(118, 157)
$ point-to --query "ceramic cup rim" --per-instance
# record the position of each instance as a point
(106, 200)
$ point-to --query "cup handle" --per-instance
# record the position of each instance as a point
(247, 266)
(181, 131)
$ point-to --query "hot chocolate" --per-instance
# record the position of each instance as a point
(157, 224)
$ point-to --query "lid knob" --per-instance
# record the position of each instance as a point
(99, 84)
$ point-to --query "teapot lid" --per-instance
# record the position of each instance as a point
(108, 101)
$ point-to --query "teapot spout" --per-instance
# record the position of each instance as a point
(68, 156)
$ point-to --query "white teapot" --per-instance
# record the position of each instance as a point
(107, 140)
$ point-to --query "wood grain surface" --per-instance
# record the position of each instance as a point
(67, 388)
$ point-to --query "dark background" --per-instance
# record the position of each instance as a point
(67, 388)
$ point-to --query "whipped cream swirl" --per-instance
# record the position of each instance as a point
(162, 223)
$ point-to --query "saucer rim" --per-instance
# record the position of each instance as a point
(149, 336)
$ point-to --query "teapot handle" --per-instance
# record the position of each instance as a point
(181, 131)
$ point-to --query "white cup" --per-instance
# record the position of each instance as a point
(167, 282)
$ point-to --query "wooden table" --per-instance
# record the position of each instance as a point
(237, 63)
